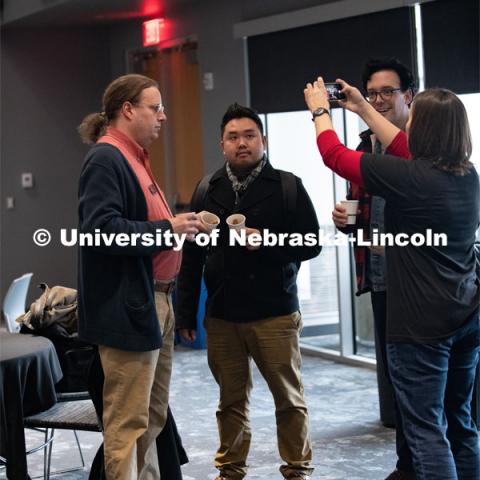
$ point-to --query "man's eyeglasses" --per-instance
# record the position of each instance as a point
(385, 93)
(157, 108)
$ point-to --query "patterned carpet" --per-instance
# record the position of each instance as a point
(349, 442)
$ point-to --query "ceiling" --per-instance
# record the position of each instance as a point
(44, 13)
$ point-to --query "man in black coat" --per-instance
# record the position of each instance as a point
(252, 306)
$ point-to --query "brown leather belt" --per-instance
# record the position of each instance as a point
(164, 287)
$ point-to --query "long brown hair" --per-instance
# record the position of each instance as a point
(124, 89)
(439, 131)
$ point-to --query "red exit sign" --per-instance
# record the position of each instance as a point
(151, 31)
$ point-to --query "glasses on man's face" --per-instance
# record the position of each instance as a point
(157, 108)
(385, 93)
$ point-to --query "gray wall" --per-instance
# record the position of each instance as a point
(50, 79)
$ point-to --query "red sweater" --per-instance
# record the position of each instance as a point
(346, 162)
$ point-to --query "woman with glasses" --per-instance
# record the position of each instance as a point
(433, 332)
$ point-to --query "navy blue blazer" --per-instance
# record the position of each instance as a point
(116, 303)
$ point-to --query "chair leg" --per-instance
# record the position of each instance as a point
(45, 456)
(50, 455)
(79, 449)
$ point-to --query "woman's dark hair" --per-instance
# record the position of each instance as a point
(375, 65)
(236, 111)
(124, 89)
(439, 131)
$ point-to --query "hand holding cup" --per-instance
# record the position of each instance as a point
(339, 216)
(351, 208)
(188, 224)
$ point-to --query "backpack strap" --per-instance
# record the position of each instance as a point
(289, 193)
(198, 199)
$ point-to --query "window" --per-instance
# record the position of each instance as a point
(292, 147)
(326, 284)
(472, 105)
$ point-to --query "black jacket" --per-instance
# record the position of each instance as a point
(116, 302)
(246, 285)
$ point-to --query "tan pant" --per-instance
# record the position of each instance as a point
(273, 343)
(135, 402)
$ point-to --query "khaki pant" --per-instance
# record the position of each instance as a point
(273, 344)
(135, 402)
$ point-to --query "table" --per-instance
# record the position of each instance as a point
(29, 369)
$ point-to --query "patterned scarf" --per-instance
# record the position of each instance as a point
(240, 186)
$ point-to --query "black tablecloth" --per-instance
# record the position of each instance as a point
(29, 369)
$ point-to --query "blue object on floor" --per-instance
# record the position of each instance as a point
(201, 336)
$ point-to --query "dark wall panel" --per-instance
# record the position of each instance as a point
(451, 43)
(281, 63)
(50, 79)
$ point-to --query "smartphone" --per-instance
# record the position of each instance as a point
(334, 92)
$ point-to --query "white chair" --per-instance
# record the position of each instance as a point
(14, 302)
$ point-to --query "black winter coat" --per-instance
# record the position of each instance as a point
(246, 285)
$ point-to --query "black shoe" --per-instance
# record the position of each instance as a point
(401, 475)
(299, 477)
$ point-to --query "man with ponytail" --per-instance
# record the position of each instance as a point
(124, 292)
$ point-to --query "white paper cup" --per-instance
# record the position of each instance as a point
(209, 219)
(351, 206)
(236, 221)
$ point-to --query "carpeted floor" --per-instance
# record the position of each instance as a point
(349, 442)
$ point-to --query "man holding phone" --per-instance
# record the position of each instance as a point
(390, 88)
